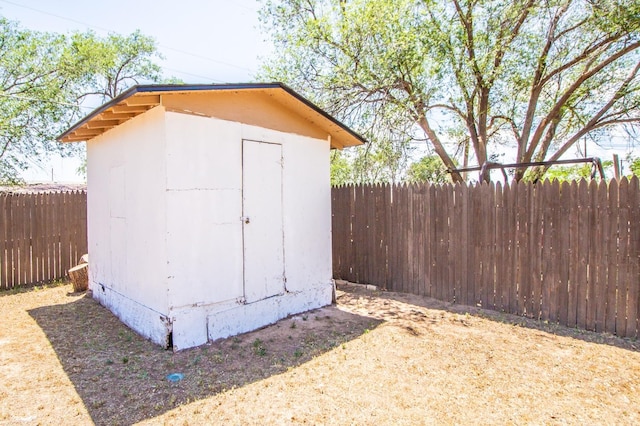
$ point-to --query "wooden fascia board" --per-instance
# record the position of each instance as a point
(83, 131)
(147, 100)
(122, 108)
(112, 115)
(140, 99)
(103, 124)
(75, 137)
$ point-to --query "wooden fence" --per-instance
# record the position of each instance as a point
(41, 236)
(567, 253)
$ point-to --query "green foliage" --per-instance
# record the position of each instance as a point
(569, 173)
(576, 172)
(116, 62)
(428, 169)
(340, 169)
(634, 166)
(36, 93)
(377, 162)
(258, 347)
(82, 168)
(45, 76)
(535, 76)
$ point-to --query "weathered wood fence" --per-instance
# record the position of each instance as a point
(41, 236)
(567, 253)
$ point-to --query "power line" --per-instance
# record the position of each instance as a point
(97, 27)
(56, 16)
(195, 55)
(193, 75)
(26, 98)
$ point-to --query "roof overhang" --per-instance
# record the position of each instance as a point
(245, 103)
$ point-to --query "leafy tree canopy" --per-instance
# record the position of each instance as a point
(577, 172)
(634, 166)
(44, 77)
(428, 169)
(382, 161)
(482, 74)
(115, 62)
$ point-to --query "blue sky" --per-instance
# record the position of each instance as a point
(214, 41)
(210, 41)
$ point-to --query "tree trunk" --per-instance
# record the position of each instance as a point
(437, 146)
(80, 277)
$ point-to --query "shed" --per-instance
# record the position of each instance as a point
(209, 209)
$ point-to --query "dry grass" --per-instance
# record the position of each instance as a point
(375, 358)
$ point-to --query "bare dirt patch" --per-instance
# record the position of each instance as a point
(374, 358)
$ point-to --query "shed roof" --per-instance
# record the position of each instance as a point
(270, 105)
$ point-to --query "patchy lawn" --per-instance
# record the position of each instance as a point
(375, 358)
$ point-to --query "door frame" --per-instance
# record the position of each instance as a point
(244, 215)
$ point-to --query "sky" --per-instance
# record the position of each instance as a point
(202, 41)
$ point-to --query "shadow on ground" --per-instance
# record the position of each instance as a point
(122, 378)
(501, 317)
(31, 287)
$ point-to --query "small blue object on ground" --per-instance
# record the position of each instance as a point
(175, 377)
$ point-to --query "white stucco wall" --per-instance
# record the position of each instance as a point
(165, 229)
(204, 187)
(306, 207)
(204, 206)
(127, 222)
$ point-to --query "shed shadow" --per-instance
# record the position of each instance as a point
(385, 310)
(28, 288)
(122, 378)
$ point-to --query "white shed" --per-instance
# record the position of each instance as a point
(209, 209)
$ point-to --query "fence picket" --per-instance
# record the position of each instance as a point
(447, 217)
(602, 225)
(522, 256)
(574, 260)
(28, 236)
(508, 234)
(485, 238)
(622, 261)
(611, 251)
(582, 274)
(4, 225)
(537, 233)
(498, 249)
(633, 308)
(568, 253)
(563, 230)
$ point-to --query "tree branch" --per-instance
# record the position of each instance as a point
(553, 114)
(439, 148)
(594, 122)
(536, 87)
(512, 123)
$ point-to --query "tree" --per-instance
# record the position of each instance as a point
(44, 77)
(379, 162)
(534, 76)
(115, 62)
(382, 160)
(577, 172)
(634, 166)
(37, 91)
(428, 169)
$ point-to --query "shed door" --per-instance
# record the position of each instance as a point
(262, 216)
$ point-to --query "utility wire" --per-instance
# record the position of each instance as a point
(97, 27)
(25, 98)
(191, 74)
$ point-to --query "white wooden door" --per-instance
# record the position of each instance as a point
(262, 220)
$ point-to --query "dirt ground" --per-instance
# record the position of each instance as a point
(375, 358)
